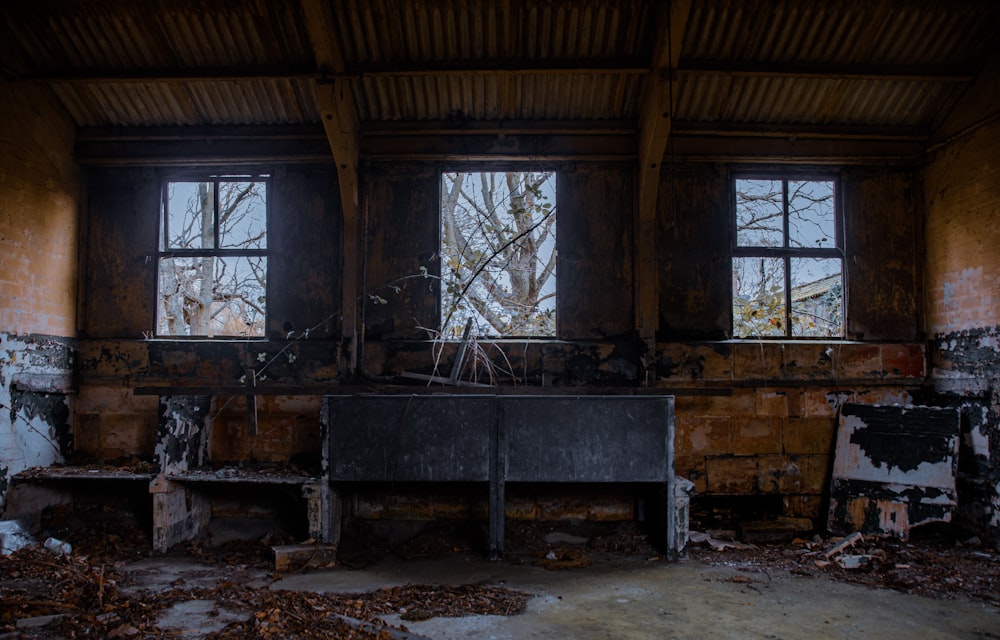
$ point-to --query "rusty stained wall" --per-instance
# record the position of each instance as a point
(304, 293)
(39, 197)
(962, 290)
(692, 250)
(883, 241)
(401, 236)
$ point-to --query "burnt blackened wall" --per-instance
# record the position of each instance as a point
(595, 279)
(302, 344)
(695, 278)
(962, 194)
(882, 240)
(882, 244)
(304, 244)
(765, 428)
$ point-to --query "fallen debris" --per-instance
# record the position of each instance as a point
(13, 536)
(714, 543)
(845, 543)
(298, 557)
(563, 558)
(853, 561)
(936, 567)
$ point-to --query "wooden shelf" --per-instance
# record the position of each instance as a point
(235, 475)
(48, 474)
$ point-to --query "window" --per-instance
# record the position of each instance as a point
(498, 253)
(212, 259)
(788, 267)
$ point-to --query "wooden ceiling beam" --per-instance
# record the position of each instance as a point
(655, 119)
(335, 100)
(978, 105)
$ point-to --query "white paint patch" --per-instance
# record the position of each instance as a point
(25, 442)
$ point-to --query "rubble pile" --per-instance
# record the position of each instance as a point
(937, 567)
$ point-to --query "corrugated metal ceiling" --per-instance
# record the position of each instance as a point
(125, 63)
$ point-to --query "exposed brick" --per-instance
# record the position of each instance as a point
(87, 433)
(705, 436)
(903, 360)
(810, 435)
(716, 363)
(740, 403)
(407, 507)
(731, 475)
(520, 508)
(807, 361)
(368, 507)
(772, 402)
(126, 435)
(692, 468)
(816, 471)
(805, 507)
(855, 361)
(552, 508)
(883, 395)
(700, 479)
(778, 474)
(795, 402)
(611, 509)
(758, 435)
(823, 403)
(757, 360)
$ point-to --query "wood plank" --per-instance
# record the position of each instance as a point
(335, 99)
(656, 114)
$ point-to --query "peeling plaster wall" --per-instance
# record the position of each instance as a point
(39, 187)
(962, 192)
(35, 421)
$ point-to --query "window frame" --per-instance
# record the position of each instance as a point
(495, 167)
(786, 252)
(216, 251)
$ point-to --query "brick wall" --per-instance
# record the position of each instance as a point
(962, 192)
(771, 429)
(39, 192)
(39, 185)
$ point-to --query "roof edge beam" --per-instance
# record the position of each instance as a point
(335, 100)
(655, 119)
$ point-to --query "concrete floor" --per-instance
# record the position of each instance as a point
(628, 597)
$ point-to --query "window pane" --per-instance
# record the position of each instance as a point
(188, 220)
(759, 219)
(206, 296)
(242, 215)
(817, 297)
(240, 295)
(758, 297)
(810, 214)
(498, 253)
